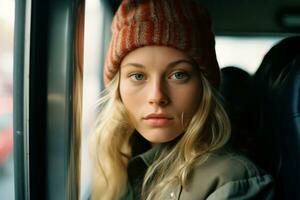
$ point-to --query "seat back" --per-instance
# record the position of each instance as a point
(273, 63)
(285, 118)
(276, 112)
(234, 88)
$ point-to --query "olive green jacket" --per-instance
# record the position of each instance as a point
(224, 175)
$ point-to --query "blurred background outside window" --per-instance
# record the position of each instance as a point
(6, 99)
(93, 34)
(243, 52)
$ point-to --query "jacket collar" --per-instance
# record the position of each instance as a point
(152, 154)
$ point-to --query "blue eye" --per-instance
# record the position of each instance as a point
(137, 76)
(179, 76)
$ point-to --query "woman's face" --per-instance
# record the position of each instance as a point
(161, 91)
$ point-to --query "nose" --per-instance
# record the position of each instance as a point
(158, 94)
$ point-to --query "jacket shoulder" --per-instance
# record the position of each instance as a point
(224, 169)
(228, 166)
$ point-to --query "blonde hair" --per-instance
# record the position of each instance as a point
(208, 130)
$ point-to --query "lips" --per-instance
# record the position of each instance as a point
(158, 119)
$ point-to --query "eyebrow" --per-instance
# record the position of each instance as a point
(170, 65)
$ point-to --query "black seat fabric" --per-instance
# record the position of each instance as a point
(273, 63)
(275, 109)
(286, 124)
(234, 88)
(234, 84)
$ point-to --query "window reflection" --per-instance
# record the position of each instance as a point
(93, 44)
(6, 99)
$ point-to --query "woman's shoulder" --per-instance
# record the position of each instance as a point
(227, 173)
(229, 164)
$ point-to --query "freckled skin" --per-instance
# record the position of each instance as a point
(159, 80)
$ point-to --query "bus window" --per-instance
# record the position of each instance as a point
(243, 52)
(6, 100)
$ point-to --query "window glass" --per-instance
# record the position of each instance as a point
(6, 99)
(243, 52)
(96, 36)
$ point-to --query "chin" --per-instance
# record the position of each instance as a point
(157, 138)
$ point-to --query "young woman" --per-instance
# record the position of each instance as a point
(162, 131)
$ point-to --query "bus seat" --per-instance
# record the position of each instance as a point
(234, 82)
(234, 88)
(279, 139)
(286, 124)
(275, 107)
(272, 64)
(264, 82)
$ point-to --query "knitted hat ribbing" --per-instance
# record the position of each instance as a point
(181, 24)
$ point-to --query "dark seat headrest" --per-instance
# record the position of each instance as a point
(277, 58)
(235, 86)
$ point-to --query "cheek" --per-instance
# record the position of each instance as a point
(188, 99)
(131, 99)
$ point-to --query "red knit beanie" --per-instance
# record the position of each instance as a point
(181, 24)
